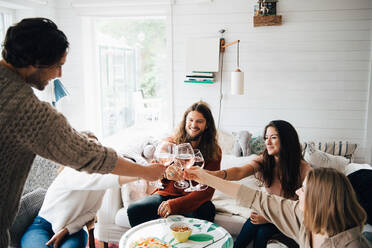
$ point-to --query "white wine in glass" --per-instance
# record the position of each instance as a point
(164, 154)
(184, 156)
(198, 161)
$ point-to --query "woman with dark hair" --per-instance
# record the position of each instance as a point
(197, 128)
(280, 168)
(327, 214)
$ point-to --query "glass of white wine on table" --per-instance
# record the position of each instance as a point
(184, 157)
(198, 161)
(164, 154)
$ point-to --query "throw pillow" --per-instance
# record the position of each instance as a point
(338, 148)
(226, 141)
(241, 143)
(42, 174)
(29, 208)
(257, 144)
(134, 191)
(318, 159)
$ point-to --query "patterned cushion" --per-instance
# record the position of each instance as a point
(338, 148)
(317, 158)
(42, 174)
(257, 144)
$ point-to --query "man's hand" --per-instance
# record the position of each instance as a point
(257, 219)
(154, 172)
(164, 209)
(56, 239)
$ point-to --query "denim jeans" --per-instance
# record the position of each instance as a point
(261, 234)
(40, 232)
(146, 209)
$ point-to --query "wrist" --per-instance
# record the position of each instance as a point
(224, 174)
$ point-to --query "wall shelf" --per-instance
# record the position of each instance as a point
(259, 21)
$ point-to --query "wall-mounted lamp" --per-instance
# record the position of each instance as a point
(237, 76)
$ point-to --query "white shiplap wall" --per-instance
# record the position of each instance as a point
(313, 71)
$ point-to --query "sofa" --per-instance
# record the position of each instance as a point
(112, 217)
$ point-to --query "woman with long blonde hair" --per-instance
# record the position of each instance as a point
(327, 213)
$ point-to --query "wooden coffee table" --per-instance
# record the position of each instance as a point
(204, 234)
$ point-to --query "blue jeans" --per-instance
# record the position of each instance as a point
(146, 209)
(40, 232)
(261, 234)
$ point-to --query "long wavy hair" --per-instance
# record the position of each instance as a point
(330, 203)
(208, 144)
(290, 157)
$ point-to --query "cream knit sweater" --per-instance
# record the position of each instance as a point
(29, 126)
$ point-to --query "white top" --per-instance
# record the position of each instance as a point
(74, 198)
(352, 167)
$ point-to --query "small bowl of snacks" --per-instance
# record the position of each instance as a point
(180, 231)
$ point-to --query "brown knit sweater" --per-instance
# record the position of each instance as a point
(28, 127)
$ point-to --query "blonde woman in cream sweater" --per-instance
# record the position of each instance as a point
(327, 214)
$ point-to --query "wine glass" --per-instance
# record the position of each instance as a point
(184, 156)
(164, 154)
(198, 161)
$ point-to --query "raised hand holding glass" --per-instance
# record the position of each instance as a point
(184, 156)
(164, 153)
(198, 161)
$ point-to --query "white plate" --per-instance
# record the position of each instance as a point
(204, 234)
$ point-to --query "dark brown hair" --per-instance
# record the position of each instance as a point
(34, 41)
(208, 144)
(290, 158)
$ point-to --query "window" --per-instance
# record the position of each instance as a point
(117, 83)
(132, 85)
(6, 19)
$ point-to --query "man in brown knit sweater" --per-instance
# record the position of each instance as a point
(34, 51)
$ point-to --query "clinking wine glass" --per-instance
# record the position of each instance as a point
(164, 153)
(198, 161)
(184, 156)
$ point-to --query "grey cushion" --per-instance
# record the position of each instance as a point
(29, 208)
(42, 174)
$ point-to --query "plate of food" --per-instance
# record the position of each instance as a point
(159, 233)
(150, 242)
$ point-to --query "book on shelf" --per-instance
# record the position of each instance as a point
(191, 80)
(200, 78)
(200, 74)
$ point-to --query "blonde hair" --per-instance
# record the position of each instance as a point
(331, 205)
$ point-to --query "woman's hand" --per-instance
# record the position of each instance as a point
(174, 173)
(164, 209)
(197, 174)
(56, 239)
(257, 219)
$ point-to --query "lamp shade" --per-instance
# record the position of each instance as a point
(237, 82)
